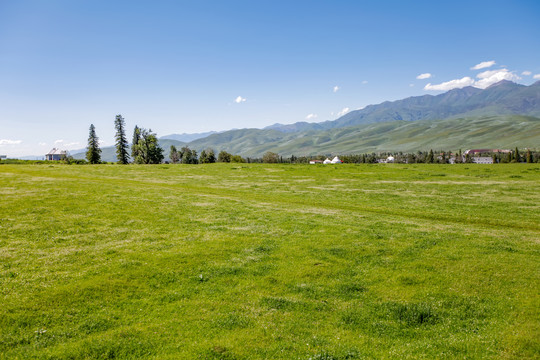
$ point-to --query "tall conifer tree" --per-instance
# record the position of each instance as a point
(135, 143)
(93, 152)
(122, 145)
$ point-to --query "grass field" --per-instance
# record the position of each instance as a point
(238, 261)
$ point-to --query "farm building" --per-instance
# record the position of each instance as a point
(315, 161)
(482, 160)
(336, 160)
(327, 161)
(55, 154)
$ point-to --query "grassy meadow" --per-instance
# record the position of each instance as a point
(256, 261)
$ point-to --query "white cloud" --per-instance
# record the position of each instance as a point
(483, 65)
(9, 142)
(537, 76)
(56, 142)
(336, 88)
(526, 73)
(423, 76)
(486, 78)
(491, 77)
(343, 111)
(239, 100)
(452, 84)
(364, 82)
(311, 116)
(72, 144)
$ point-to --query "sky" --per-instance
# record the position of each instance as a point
(201, 65)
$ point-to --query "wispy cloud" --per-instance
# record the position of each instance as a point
(484, 79)
(72, 144)
(9, 142)
(364, 82)
(537, 76)
(526, 73)
(343, 111)
(311, 116)
(483, 65)
(239, 100)
(423, 76)
(491, 77)
(452, 84)
(60, 141)
(336, 88)
(411, 85)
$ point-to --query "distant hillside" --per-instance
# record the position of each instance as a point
(502, 98)
(187, 137)
(505, 131)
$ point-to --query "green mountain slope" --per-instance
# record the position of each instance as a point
(504, 131)
(502, 98)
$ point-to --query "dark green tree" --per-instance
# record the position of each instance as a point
(207, 156)
(122, 145)
(224, 156)
(93, 152)
(517, 157)
(135, 142)
(430, 158)
(147, 149)
(188, 156)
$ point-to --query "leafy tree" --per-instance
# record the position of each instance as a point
(188, 156)
(529, 156)
(237, 159)
(207, 156)
(174, 155)
(93, 152)
(270, 158)
(224, 156)
(147, 149)
(135, 142)
(122, 145)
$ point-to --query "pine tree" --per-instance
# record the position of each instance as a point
(135, 142)
(93, 152)
(430, 158)
(122, 145)
(517, 157)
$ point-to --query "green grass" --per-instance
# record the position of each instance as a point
(237, 261)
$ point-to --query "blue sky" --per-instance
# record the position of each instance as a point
(194, 66)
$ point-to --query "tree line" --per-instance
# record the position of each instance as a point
(145, 149)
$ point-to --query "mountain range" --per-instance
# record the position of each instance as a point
(503, 115)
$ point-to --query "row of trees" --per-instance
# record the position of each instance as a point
(145, 149)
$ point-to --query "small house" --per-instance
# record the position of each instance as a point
(327, 161)
(55, 154)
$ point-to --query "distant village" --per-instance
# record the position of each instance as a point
(471, 156)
